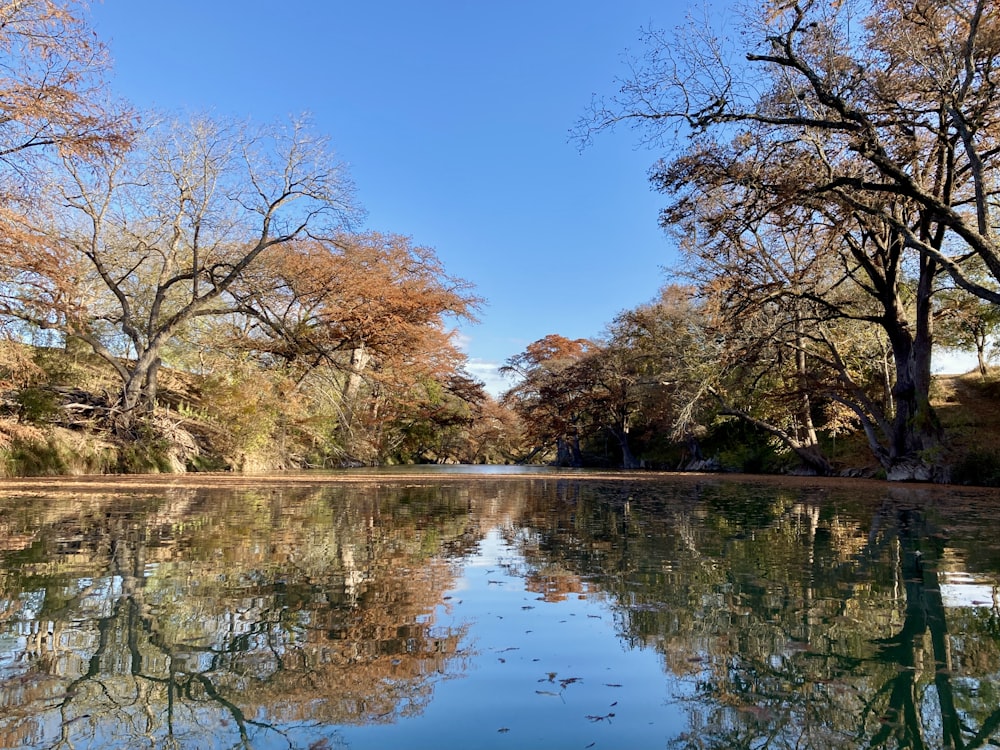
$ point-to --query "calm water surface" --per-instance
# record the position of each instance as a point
(557, 610)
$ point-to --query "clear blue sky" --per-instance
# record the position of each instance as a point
(454, 119)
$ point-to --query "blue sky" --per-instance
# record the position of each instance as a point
(454, 119)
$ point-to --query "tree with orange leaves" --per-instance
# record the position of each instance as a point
(51, 90)
(306, 303)
(369, 316)
(52, 101)
(550, 403)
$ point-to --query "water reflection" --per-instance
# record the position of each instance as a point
(499, 612)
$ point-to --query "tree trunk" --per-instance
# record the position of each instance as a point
(138, 397)
(808, 427)
(692, 454)
(568, 452)
(563, 453)
(352, 387)
(629, 461)
(150, 388)
(916, 431)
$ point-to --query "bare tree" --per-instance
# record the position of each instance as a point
(903, 94)
(133, 247)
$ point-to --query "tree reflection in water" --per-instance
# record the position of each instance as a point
(782, 617)
(173, 621)
(803, 620)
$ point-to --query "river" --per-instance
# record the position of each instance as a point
(471, 608)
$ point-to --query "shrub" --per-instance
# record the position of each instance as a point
(36, 405)
(980, 467)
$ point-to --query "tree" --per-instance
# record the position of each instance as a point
(883, 136)
(131, 248)
(494, 435)
(902, 92)
(52, 102)
(369, 312)
(51, 92)
(644, 380)
(646, 377)
(789, 274)
(548, 402)
(611, 387)
(379, 294)
(967, 323)
(676, 352)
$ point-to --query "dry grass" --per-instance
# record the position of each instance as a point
(969, 409)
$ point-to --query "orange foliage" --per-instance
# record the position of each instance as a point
(555, 348)
(308, 300)
(50, 83)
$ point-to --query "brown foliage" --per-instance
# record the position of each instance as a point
(308, 300)
(549, 397)
(51, 87)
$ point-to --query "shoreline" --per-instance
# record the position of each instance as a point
(394, 476)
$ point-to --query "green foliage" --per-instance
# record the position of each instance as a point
(149, 453)
(208, 462)
(980, 466)
(741, 447)
(36, 405)
(56, 453)
(247, 410)
(966, 323)
(25, 458)
(56, 368)
(749, 458)
(659, 451)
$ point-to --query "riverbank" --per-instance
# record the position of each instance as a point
(55, 428)
(429, 476)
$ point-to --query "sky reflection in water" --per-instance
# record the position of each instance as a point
(548, 612)
(544, 674)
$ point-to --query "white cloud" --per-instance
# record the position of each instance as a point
(489, 373)
(461, 340)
